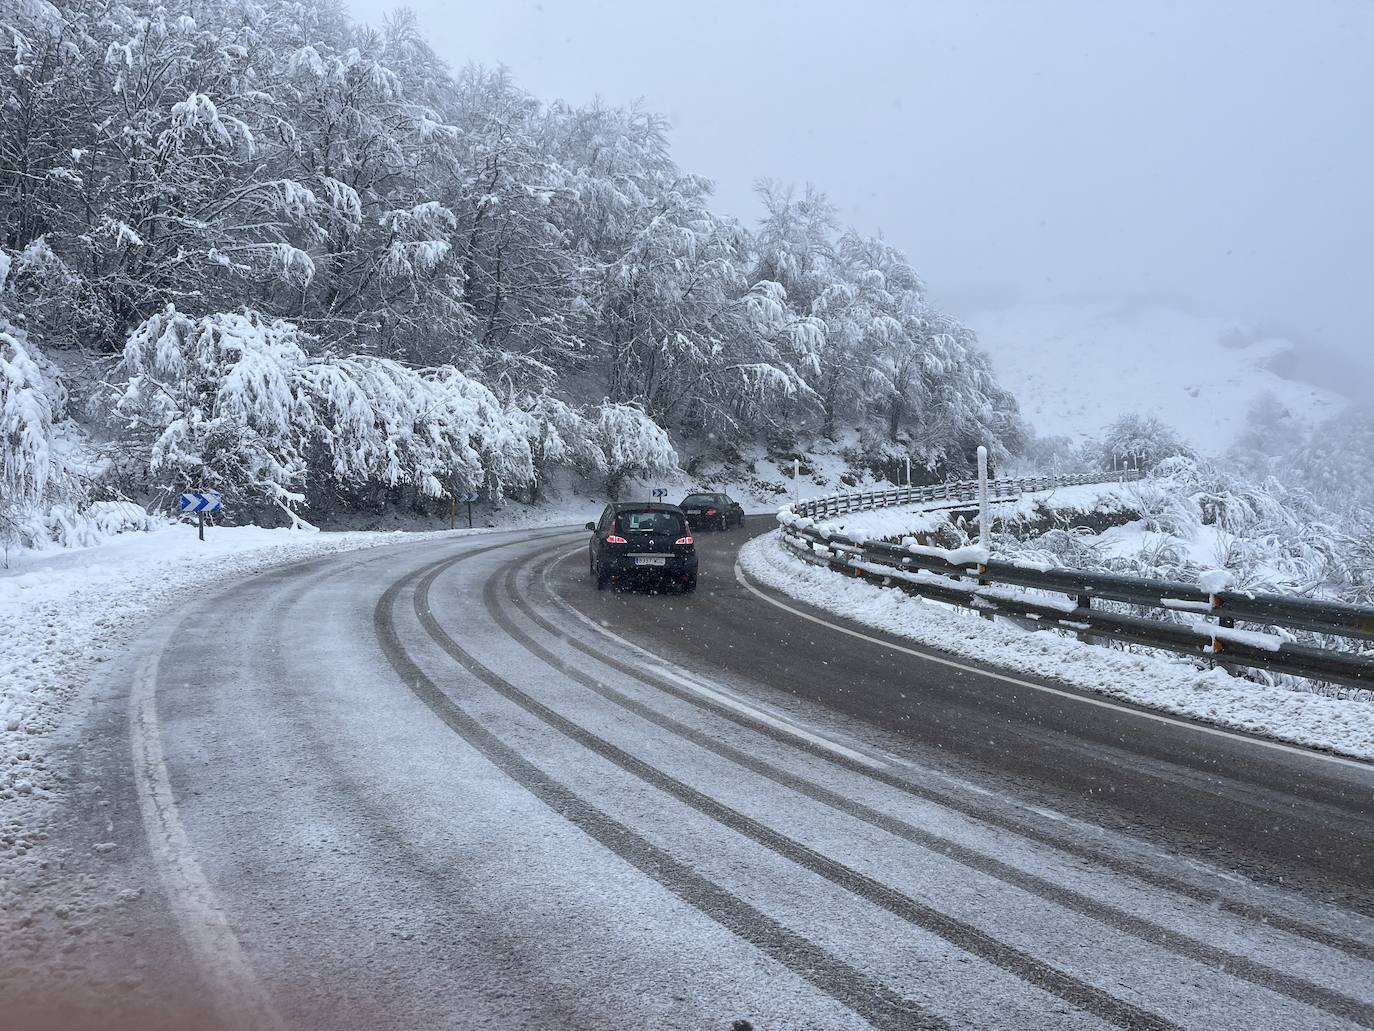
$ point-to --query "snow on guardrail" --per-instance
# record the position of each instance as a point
(1056, 597)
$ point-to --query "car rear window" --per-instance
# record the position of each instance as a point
(700, 499)
(648, 522)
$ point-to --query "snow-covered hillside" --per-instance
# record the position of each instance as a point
(1076, 367)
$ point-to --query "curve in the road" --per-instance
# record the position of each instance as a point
(972, 940)
(979, 809)
(765, 830)
(1279, 816)
(874, 1001)
(1259, 974)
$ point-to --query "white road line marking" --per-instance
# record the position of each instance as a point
(716, 694)
(1100, 702)
(238, 996)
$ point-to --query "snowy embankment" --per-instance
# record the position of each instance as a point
(1163, 682)
(900, 520)
(68, 611)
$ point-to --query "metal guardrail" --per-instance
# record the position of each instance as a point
(971, 578)
(960, 491)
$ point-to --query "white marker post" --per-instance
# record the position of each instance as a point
(984, 522)
(984, 529)
(796, 481)
(908, 473)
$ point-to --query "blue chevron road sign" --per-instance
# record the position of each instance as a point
(201, 501)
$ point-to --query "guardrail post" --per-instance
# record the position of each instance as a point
(1085, 601)
(984, 530)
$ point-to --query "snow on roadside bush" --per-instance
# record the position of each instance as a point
(632, 443)
(27, 402)
(1186, 520)
(233, 401)
(1196, 515)
(236, 402)
(42, 461)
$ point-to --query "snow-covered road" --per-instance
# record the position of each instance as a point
(416, 787)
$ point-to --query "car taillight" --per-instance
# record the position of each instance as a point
(613, 539)
(710, 511)
(683, 540)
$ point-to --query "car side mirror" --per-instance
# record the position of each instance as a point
(592, 527)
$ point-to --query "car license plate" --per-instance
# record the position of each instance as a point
(650, 560)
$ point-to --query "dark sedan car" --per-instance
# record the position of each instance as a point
(715, 510)
(639, 540)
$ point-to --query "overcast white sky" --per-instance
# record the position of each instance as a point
(1216, 150)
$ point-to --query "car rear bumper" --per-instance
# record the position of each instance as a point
(675, 567)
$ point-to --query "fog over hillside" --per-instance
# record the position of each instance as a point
(1075, 366)
(1204, 152)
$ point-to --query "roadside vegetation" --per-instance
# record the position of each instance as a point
(259, 248)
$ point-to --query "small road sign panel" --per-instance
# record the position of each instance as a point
(660, 492)
(201, 501)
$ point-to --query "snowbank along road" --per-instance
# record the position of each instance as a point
(449, 784)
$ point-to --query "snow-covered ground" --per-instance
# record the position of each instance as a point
(880, 523)
(1075, 368)
(67, 611)
(1163, 682)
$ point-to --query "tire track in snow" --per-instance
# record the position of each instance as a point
(1243, 967)
(871, 999)
(1029, 969)
(1355, 947)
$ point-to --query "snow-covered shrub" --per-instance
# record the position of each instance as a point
(39, 464)
(70, 526)
(1197, 516)
(47, 469)
(30, 399)
(1336, 462)
(218, 403)
(434, 429)
(234, 402)
(559, 435)
(632, 445)
(1142, 441)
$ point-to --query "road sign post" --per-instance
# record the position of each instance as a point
(200, 502)
(454, 500)
(660, 492)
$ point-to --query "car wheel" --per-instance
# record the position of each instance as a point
(724, 523)
(689, 586)
(601, 578)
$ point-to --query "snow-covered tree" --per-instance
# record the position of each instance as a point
(290, 195)
(1141, 441)
(27, 402)
(631, 444)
